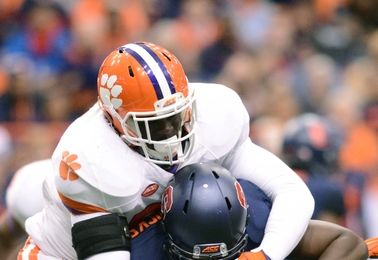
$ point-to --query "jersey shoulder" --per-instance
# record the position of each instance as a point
(78, 196)
(222, 119)
(218, 94)
(91, 150)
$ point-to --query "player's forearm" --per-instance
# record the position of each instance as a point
(293, 203)
(328, 241)
(284, 231)
(346, 246)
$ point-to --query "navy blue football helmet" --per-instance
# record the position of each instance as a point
(312, 143)
(204, 214)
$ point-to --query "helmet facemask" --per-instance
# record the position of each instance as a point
(164, 136)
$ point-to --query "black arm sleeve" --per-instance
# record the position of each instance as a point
(101, 234)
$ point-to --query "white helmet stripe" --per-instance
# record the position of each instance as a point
(154, 66)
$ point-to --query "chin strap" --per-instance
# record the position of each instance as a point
(165, 152)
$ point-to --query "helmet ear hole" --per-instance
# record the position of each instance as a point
(131, 72)
(186, 205)
(229, 206)
(215, 174)
(192, 175)
(165, 55)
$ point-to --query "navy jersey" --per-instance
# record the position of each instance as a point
(328, 196)
(259, 206)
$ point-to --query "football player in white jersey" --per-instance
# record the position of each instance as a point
(23, 199)
(321, 239)
(112, 164)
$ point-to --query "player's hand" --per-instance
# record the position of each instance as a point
(260, 255)
(372, 244)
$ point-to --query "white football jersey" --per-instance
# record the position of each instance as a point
(95, 171)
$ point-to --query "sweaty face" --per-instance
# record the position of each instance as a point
(164, 138)
(162, 129)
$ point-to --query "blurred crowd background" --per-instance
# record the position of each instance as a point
(284, 57)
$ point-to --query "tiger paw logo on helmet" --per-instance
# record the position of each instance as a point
(109, 91)
(68, 166)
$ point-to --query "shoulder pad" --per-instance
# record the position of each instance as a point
(222, 120)
(90, 149)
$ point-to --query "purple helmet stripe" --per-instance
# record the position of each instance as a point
(161, 65)
(148, 70)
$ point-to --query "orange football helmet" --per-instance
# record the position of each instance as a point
(144, 89)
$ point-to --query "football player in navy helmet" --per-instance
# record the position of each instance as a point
(312, 142)
(310, 146)
(201, 194)
(206, 215)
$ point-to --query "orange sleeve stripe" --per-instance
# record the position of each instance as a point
(32, 248)
(78, 208)
(33, 255)
(21, 251)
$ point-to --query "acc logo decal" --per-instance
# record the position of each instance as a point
(109, 92)
(68, 166)
(240, 194)
(167, 200)
(210, 249)
(169, 101)
(151, 189)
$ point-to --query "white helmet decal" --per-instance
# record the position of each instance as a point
(109, 91)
